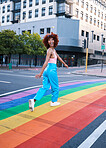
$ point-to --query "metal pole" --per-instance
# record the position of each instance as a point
(102, 54)
(87, 55)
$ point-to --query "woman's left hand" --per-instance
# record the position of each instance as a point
(66, 65)
(38, 76)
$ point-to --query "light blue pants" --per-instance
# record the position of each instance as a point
(49, 79)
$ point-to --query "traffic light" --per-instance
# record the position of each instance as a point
(84, 44)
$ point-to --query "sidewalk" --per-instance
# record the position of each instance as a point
(92, 72)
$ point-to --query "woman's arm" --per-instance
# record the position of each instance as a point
(60, 59)
(45, 64)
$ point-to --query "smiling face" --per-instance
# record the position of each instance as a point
(51, 42)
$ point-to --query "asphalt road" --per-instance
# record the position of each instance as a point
(19, 80)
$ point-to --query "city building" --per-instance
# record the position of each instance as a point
(75, 21)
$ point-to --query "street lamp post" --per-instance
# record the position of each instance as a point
(87, 55)
(102, 54)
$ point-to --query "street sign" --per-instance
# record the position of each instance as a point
(103, 47)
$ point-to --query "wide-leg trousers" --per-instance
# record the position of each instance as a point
(49, 79)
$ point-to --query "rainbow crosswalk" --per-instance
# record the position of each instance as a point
(50, 127)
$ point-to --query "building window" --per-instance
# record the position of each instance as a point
(95, 10)
(77, 13)
(48, 30)
(61, 8)
(8, 8)
(36, 12)
(24, 15)
(86, 18)
(43, 1)
(30, 13)
(94, 37)
(82, 32)
(87, 34)
(36, 2)
(94, 21)
(101, 25)
(103, 40)
(98, 23)
(50, 10)
(104, 26)
(42, 31)
(82, 3)
(97, 38)
(3, 19)
(90, 19)
(24, 4)
(105, 17)
(50, 1)
(43, 11)
(98, 13)
(30, 3)
(3, 10)
(23, 32)
(91, 9)
(17, 5)
(82, 15)
(86, 5)
(8, 18)
(17, 16)
(102, 15)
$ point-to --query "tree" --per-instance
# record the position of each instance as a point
(8, 42)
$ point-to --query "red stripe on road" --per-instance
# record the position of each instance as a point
(61, 132)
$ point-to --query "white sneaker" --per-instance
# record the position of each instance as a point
(54, 103)
(31, 105)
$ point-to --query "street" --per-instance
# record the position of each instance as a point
(78, 122)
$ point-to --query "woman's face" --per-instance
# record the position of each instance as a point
(51, 42)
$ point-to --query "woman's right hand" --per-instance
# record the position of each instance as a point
(38, 76)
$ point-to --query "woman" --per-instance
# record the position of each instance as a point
(49, 71)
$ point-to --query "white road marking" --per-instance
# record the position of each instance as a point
(33, 87)
(4, 82)
(94, 136)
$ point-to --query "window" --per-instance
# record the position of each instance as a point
(17, 5)
(101, 25)
(36, 2)
(97, 38)
(43, 1)
(43, 11)
(94, 37)
(105, 17)
(94, 21)
(103, 40)
(30, 13)
(30, 3)
(91, 9)
(104, 26)
(50, 1)
(42, 31)
(3, 10)
(24, 4)
(102, 15)
(82, 15)
(82, 32)
(3, 19)
(8, 18)
(87, 34)
(8, 8)
(86, 5)
(98, 13)
(95, 10)
(48, 30)
(90, 19)
(82, 3)
(17, 16)
(77, 13)
(61, 8)
(50, 10)
(98, 23)
(36, 12)
(24, 15)
(86, 18)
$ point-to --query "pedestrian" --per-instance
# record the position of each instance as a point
(49, 71)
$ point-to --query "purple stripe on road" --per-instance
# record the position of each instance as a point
(33, 91)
